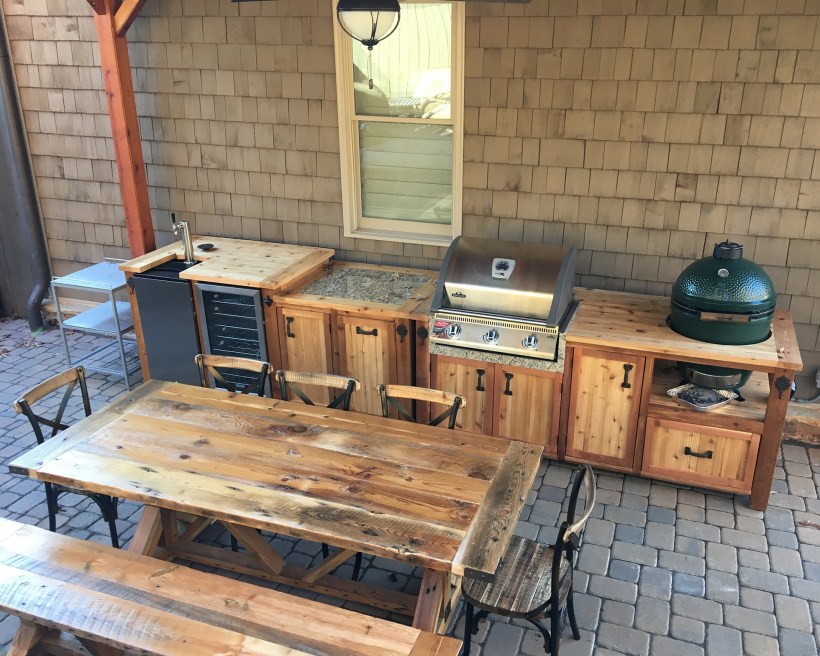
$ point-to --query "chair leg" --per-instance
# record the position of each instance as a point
(468, 627)
(325, 550)
(234, 543)
(544, 634)
(357, 566)
(555, 629)
(108, 508)
(571, 612)
(51, 505)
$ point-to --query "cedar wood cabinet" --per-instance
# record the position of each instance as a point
(504, 401)
(604, 407)
(371, 350)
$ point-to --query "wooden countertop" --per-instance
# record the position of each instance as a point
(636, 323)
(239, 262)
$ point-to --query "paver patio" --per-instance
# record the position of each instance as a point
(665, 569)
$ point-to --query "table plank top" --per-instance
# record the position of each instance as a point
(440, 499)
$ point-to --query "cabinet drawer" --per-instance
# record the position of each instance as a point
(701, 455)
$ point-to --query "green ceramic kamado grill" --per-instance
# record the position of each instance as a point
(722, 299)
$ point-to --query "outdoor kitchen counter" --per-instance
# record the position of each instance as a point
(262, 265)
(634, 323)
(383, 290)
(621, 361)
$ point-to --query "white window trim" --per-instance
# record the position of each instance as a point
(385, 229)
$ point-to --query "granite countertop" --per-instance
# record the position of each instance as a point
(503, 358)
(368, 285)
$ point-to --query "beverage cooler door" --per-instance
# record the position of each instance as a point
(232, 324)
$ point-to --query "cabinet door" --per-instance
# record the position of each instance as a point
(474, 381)
(604, 405)
(527, 405)
(367, 352)
(305, 345)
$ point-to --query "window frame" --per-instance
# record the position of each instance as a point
(413, 232)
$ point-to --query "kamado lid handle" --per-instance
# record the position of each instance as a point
(728, 250)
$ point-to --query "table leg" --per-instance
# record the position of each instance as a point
(434, 587)
(26, 639)
(255, 544)
(148, 532)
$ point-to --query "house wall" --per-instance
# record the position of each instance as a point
(640, 131)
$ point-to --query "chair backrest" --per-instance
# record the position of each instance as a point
(69, 379)
(290, 381)
(390, 395)
(247, 376)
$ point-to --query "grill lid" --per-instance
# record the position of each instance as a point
(488, 276)
(725, 282)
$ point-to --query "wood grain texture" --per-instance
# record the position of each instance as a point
(492, 529)
(368, 352)
(423, 394)
(126, 600)
(633, 323)
(769, 451)
(388, 488)
(127, 14)
(240, 262)
(530, 412)
(462, 377)
(122, 110)
(729, 465)
(306, 345)
(603, 414)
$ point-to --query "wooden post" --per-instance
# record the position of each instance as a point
(779, 392)
(119, 90)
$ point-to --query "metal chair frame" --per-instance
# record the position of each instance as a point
(68, 379)
(289, 382)
(423, 394)
(208, 367)
(568, 545)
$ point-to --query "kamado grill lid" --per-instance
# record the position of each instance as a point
(725, 282)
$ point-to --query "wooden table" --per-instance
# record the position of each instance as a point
(443, 500)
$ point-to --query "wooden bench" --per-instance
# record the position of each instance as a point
(111, 600)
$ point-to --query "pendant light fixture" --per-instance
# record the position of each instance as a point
(368, 21)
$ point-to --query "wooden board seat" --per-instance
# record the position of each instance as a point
(113, 600)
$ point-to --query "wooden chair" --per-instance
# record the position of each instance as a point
(69, 380)
(290, 381)
(534, 581)
(390, 395)
(209, 366)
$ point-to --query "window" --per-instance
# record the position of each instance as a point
(400, 127)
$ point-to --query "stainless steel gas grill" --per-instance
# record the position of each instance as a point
(502, 296)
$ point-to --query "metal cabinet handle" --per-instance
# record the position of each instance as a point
(507, 390)
(360, 331)
(401, 331)
(288, 331)
(480, 383)
(627, 368)
(688, 452)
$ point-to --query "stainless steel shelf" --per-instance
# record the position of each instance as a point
(101, 320)
(111, 318)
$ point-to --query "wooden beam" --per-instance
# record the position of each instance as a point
(122, 109)
(128, 11)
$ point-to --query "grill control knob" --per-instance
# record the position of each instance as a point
(530, 342)
(453, 331)
(491, 336)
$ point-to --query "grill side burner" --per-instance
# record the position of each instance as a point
(505, 297)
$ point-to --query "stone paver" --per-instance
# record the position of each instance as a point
(665, 569)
